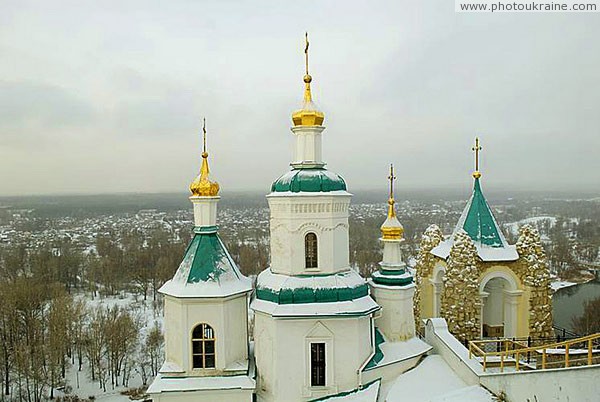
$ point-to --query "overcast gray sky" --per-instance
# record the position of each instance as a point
(108, 96)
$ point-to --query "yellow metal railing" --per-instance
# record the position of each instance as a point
(510, 352)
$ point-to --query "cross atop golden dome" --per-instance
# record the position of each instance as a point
(392, 229)
(202, 186)
(309, 115)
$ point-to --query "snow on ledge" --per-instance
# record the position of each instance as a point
(394, 352)
(181, 384)
(362, 306)
(487, 254)
(367, 394)
(206, 289)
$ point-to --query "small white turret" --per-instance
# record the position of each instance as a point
(392, 286)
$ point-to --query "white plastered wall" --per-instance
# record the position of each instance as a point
(234, 395)
(227, 316)
(397, 320)
(292, 217)
(282, 349)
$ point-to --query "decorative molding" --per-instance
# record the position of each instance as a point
(309, 225)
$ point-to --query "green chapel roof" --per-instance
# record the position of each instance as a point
(207, 269)
(309, 180)
(479, 222)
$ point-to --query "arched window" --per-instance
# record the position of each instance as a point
(310, 250)
(203, 347)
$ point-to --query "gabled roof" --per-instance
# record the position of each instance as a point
(207, 270)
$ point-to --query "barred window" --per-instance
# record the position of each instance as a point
(203, 347)
(310, 250)
(317, 364)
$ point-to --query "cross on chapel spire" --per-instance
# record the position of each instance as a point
(476, 149)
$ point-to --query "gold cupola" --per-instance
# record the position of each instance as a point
(309, 114)
(202, 186)
(392, 229)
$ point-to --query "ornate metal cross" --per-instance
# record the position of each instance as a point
(476, 149)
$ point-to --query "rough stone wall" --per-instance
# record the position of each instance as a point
(535, 274)
(461, 304)
(425, 261)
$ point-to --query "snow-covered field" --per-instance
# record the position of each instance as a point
(513, 227)
(559, 284)
(80, 382)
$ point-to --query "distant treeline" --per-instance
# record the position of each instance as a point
(52, 206)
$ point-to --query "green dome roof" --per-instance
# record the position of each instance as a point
(309, 180)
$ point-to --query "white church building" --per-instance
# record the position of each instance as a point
(320, 331)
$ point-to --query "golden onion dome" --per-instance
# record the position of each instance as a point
(309, 114)
(201, 186)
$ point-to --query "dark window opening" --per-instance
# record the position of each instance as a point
(203, 347)
(310, 250)
(317, 364)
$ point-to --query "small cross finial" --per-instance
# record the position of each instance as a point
(391, 202)
(476, 149)
(306, 51)
(204, 137)
(391, 178)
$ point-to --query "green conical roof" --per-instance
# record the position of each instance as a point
(479, 222)
(207, 269)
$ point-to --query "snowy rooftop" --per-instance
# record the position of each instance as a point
(392, 352)
(364, 305)
(480, 224)
(169, 384)
(207, 270)
(434, 381)
(367, 394)
(486, 253)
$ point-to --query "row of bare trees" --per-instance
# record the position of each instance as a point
(46, 326)
(44, 331)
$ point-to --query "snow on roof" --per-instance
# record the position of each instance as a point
(368, 394)
(362, 306)
(170, 367)
(434, 381)
(206, 289)
(487, 254)
(397, 351)
(480, 224)
(345, 279)
(170, 384)
(207, 270)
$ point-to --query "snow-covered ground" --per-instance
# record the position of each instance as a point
(80, 382)
(88, 388)
(559, 284)
(434, 381)
(513, 227)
